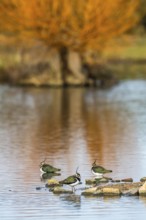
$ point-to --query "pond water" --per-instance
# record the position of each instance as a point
(70, 127)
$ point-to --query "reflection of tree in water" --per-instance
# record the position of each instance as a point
(110, 126)
(64, 117)
(72, 124)
(59, 121)
(100, 126)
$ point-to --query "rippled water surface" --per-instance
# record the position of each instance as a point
(71, 127)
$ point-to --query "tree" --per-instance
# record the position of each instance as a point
(71, 27)
(142, 12)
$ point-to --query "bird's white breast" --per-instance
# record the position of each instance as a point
(74, 184)
(97, 174)
(41, 170)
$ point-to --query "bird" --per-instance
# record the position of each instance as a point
(47, 168)
(72, 180)
(99, 171)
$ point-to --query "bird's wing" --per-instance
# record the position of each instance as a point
(99, 169)
(48, 168)
(69, 180)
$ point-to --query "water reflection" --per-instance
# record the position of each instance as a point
(73, 122)
(73, 200)
(46, 176)
(71, 127)
(143, 200)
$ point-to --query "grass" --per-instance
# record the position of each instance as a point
(129, 71)
(136, 49)
(126, 48)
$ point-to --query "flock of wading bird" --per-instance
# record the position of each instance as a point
(98, 172)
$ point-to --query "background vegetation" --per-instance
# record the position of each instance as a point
(66, 42)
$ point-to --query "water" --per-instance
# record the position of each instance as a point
(71, 127)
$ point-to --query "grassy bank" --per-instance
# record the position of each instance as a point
(127, 58)
(134, 48)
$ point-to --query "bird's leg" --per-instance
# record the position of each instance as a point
(73, 189)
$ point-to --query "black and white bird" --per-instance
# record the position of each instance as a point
(72, 181)
(99, 171)
(47, 168)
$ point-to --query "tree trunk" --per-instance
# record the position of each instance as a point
(71, 67)
(64, 69)
(63, 53)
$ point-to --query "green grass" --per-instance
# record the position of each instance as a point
(130, 71)
(134, 50)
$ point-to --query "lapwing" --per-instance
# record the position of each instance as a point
(47, 168)
(72, 180)
(99, 171)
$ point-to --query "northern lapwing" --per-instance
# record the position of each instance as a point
(99, 171)
(72, 181)
(47, 168)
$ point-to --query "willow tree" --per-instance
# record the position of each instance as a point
(69, 27)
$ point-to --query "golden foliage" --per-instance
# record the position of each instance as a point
(76, 24)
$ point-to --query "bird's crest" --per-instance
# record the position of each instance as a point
(94, 163)
(41, 163)
(77, 174)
